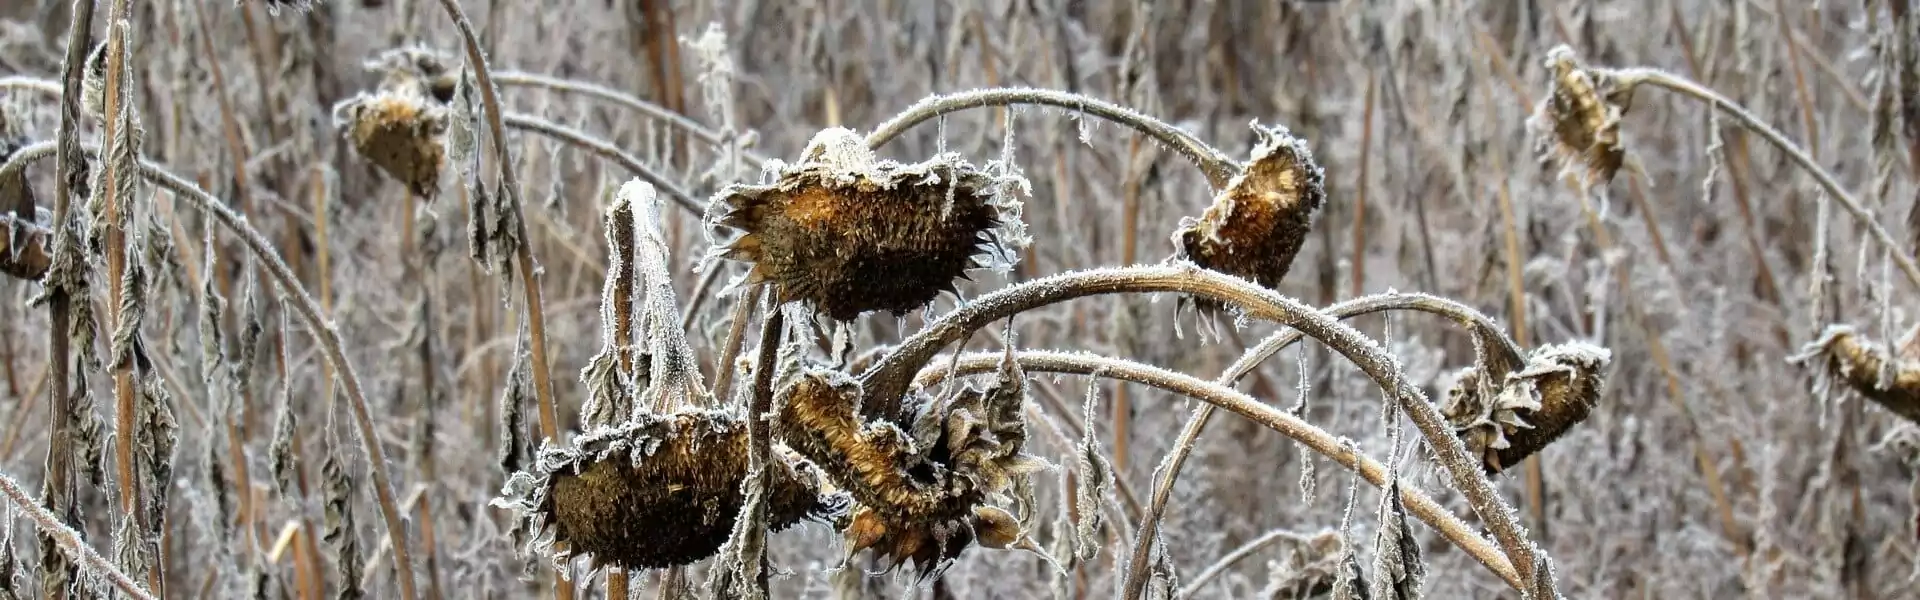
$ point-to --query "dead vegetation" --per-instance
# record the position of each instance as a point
(806, 373)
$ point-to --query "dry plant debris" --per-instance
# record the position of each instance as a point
(657, 491)
(1505, 422)
(850, 234)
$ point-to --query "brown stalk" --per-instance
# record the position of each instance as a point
(1360, 190)
(622, 229)
(123, 392)
(663, 54)
(1810, 127)
(523, 254)
(58, 483)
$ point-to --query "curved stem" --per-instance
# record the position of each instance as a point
(886, 384)
(1506, 353)
(679, 121)
(32, 84)
(608, 151)
(1506, 356)
(1214, 394)
(310, 315)
(1218, 168)
(70, 541)
(1686, 87)
(523, 254)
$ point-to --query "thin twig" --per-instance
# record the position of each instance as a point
(608, 151)
(523, 253)
(1866, 218)
(1238, 554)
(508, 79)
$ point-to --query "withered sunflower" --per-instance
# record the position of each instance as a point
(850, 234)
(1257, 225)
(925, 493)
(657, 491)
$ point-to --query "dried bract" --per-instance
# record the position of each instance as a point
(655, 492)
(925, 495)
(1579, 120)
(1533, 407)
(850, 234)
(1868, 367)
(1257, 225)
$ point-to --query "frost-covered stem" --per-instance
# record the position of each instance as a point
(523, 253)
(1238, 554)
(760, 444)
(886, 383)
(70, 541)
(35, 84)
(1169, 469)
(698, 299)
(607, 151)
(119, 142)
(1215, 164)
(723, 370)
(1686, 87)
(1237, 402)
(58, 482)
(508, 79)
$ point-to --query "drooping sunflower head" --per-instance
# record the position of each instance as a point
(850, 234)
(1578, 123)
(1504, 422)
(657, 491)
(1257, 225)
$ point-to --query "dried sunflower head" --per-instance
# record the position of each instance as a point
(850, 234)
(1256, 226)
(400, 133)
(924, 495)
(1579, 120)
(1884, 376)
(656, 491)
(1506, 422)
